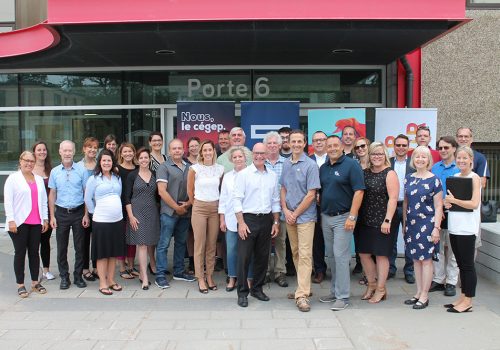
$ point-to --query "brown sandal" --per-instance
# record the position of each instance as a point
(22, 292)
(39, 288)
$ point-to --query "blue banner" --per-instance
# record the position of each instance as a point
(258, 118)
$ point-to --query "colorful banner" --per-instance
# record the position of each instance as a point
(390, 122)
(333, 121)
(204, 119)
(258, 118)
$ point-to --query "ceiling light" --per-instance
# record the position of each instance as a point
(165, 52)
(89, 114)
(342, 51)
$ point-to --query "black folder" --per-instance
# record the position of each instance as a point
(460, 188)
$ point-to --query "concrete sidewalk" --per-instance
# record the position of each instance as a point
(182, 318)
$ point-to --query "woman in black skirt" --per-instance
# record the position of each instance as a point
(375, 233)
(102, 197)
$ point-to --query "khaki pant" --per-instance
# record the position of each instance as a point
(301, 241)
(278, 262)
(205, 222)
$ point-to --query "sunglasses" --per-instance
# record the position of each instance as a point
(359, 146)
(401, 145)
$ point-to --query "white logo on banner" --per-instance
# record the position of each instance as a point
(259, 131)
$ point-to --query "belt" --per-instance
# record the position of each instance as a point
(257, 214)
(70, 210)
(337, 213)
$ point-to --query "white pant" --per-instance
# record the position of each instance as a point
(446, 269)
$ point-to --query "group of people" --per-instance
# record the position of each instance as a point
(125, 202)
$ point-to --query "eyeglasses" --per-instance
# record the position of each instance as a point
(29, 161)
(320, 140)
(377, 155)
(359, 146)
(401, 145)
(443, 148)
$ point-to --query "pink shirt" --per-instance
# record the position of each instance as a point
(34, 217)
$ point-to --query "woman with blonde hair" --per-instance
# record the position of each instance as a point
(361, 151)
(463, 227)
(375, 233)
(422, 214)
(203, 184)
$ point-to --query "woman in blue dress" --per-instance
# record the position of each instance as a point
(423, 210)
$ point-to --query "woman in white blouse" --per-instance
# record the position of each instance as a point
(26, 211)
(203, 189)
(228, 223)
(103, 199)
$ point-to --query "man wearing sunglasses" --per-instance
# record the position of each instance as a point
(400, 163)
(446, 269)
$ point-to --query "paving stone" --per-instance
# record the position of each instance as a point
(208, 324)
(311, 333)
(74, 345)
(238, 313)
(11, 344)
(110, 345)
(145, 345)
(274, 323)
(242, 334)
(62, 316)
(45, 334)
(170, 334)
(180, 315)
(23, 324)
(278, 344)
(104, 334)
(338, 343)
(323, 322)
(80, 324)
(314, 313)
(15, 315)
(204, 345)
(158, 324)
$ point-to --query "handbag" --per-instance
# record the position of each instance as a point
(489, 211)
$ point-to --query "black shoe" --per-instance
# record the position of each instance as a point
(243, 301)
(449, 290)
(357, 269)
(435, 287)
(80, 283)
(419, 305)
(281, 280)
(267, 279)
(411, 301)
(65, 283)
(448, 305)
(455, 311)
(410, 279)
(260, 295)
(391, 275)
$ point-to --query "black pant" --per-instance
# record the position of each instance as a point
(319, 246)
(86, 246)
(26, 238)
(464, 248)
(258, 245)
(65, 222)
(45, 247)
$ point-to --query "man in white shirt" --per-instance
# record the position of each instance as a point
(237, 137)
(257, 206)
(401, 165)
(319, 264)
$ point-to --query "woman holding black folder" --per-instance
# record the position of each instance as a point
(463, 227)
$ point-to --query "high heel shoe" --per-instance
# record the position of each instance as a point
(370, 290)
(455, 311)
(202, 291)
(379, 295)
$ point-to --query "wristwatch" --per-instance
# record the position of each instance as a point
(352, 217)
(276, 223)
(387, 221)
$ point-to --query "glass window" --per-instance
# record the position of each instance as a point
(8, 90)
(10, 146)
(73, 89)
(486, 4)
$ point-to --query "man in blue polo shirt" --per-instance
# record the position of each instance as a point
(68, 212)
(446, 269)
(342, 189)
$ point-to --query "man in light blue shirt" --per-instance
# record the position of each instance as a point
(67, 211)
(446, 269)
(299, 183)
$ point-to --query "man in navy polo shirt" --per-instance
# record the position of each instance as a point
(342, 189)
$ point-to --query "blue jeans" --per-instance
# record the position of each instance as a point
(177, 227)
(408, 268)
(338, 251)
(232, 255)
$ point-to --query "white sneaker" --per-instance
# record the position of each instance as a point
(48, 275)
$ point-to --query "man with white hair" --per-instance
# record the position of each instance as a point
(67, 211)
(480, 166)
(274, 161)
(237, 137)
